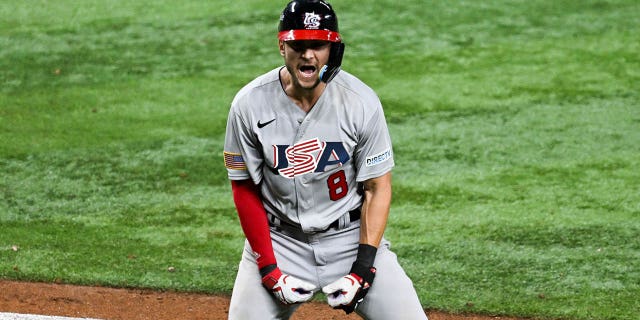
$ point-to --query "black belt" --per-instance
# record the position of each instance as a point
(354, 215)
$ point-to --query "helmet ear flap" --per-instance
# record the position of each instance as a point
(331, 69)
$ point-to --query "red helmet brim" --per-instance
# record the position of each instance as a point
(324, 35)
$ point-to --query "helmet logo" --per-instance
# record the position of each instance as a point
(311, 20)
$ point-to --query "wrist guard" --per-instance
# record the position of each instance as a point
(363, 271)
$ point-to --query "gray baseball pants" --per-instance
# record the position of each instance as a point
(320, 259)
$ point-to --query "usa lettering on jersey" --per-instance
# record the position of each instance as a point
(308, 156)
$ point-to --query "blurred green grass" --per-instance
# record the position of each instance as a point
(515, 127)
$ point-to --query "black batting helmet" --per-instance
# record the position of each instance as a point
(313, 20)
(308, 20)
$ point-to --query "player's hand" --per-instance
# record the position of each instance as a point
(287, 288)
(348, 292)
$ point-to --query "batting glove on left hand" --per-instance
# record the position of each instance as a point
(348, 292)
(287, 288)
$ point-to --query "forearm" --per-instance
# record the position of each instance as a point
(347, 292)
(375, 210)
(253, 219)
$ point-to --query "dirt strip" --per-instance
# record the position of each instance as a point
(135, 304)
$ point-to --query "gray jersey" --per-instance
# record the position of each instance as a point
(308, 165)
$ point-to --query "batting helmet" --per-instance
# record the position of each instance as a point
(308, 20)
(313, 20)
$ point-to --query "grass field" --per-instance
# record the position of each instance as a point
(516, 129)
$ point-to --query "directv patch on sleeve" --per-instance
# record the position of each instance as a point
(379, 158)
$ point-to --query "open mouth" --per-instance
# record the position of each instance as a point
(307, 71)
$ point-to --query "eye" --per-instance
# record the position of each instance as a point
(296, 46)
(300, 46)
(317, 45)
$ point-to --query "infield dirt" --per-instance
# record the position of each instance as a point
(136, 304)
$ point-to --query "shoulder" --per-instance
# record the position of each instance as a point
(357, 99)
(352, 88)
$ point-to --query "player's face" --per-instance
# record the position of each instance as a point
(303, 59)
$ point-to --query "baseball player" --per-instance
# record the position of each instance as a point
(309, 157)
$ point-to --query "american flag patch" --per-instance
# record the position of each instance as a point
(234, 161)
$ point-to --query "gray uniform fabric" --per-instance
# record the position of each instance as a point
(310, 167)
(309, 164)
(320, 259)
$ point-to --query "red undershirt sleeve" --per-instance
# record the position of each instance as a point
(253, 219)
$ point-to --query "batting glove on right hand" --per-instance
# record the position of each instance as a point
(287, 288)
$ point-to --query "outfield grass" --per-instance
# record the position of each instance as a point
(516, 128)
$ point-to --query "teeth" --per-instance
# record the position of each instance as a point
(307, 71)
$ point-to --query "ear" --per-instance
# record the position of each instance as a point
(281, 45)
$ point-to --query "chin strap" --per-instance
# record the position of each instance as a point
(332, 68)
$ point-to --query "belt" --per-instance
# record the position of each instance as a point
(354, 215)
